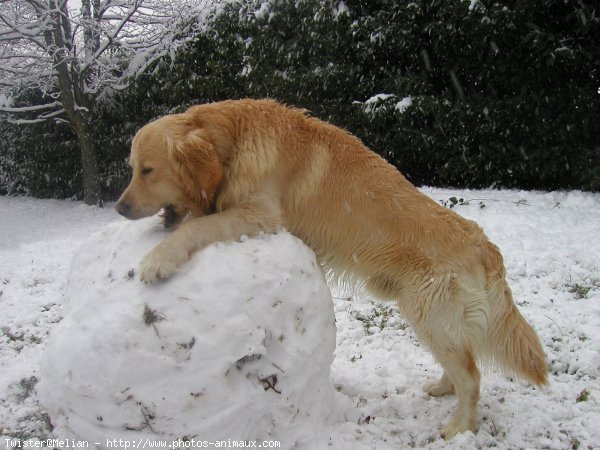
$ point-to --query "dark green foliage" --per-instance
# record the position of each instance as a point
(39, 159)
(502, 94)
(33, 157)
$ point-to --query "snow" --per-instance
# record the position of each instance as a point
(263, 10)
(149, 29)
(237, 346)
(552, 258)
(6, 101)
(340, 9)
(373, 103)
(404, 104)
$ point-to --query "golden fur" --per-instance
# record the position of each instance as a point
(241, 167)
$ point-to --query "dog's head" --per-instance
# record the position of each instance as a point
(175, 168)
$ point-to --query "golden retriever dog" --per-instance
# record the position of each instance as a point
(235, 168)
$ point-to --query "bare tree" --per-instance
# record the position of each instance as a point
(75, 56)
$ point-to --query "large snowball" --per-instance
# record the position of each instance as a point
(238, 345)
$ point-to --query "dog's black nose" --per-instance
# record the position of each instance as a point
(123, 208)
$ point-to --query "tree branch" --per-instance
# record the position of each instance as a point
(22, 109)
(110, 39)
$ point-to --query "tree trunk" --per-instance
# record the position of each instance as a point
(59, 38)
(92, 188)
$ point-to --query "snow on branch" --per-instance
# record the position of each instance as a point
(23, 109)
(76, 55)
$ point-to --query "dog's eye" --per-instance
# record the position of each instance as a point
(147, 170)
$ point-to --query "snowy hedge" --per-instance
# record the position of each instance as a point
(501, 95)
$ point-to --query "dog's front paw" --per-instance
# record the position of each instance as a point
(160, 263)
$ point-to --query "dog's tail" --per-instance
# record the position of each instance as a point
(513, 344)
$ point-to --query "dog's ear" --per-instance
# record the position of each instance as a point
(197, 165)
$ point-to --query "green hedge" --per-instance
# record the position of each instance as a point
(501, 94)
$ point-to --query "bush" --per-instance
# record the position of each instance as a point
(455, 93)
(41, 160)
(501, 96)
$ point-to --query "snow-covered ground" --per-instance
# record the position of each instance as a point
(552, 254)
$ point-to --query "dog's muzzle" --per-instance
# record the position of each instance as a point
(123, 208)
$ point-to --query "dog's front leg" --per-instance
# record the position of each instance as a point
(193, 235)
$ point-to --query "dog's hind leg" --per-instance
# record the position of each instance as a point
(449, 316)
(460, 370)
(450, 321)
(460, 375)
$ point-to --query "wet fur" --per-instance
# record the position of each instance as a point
(241, 167)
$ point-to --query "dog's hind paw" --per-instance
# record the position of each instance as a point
(458, 425)
(438, 388)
